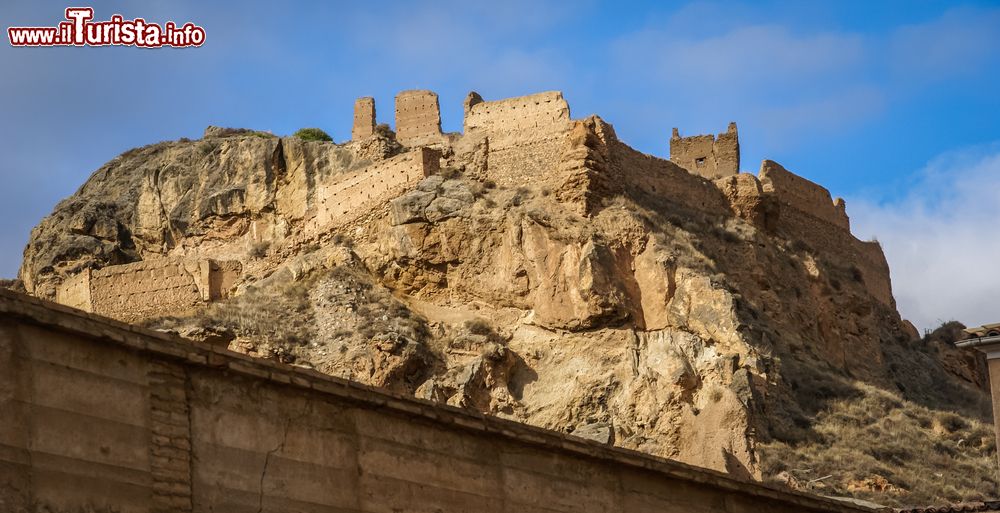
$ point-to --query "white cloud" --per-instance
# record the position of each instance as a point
(941, 239)
(960, 41)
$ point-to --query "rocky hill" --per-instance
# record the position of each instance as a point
(537, 268)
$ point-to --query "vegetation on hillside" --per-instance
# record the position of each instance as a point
(926, 440)
(312, 134)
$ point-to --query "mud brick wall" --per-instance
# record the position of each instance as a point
(364, 118)
(658, 177)
(800, 194)
(418, 118)
(707, 155)
(75, 291)
(345, 197)
(136, 291)
(807, 213)
(141, 290)
(100, 416)
(526, 134)
(820, 235)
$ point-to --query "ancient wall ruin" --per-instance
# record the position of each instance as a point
(800, 194)
(141, 290)
(103, 417)
(75, 291)
(525, 134)
(661, 178)
(418, 118)
(364, 118)
(807, 213)
(707, 155)
(345, 197)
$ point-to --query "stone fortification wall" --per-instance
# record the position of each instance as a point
(75, 291)
(658, 177)
(364, 118)
(418, 118)
(346, 196)
(706, 155)
(99, 416)
(141, 290)
(525, 134)
(807, 213)
(523, 116)
(595, 165)
(842, 246)
(795, 192)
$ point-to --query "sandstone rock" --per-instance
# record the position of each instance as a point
(456, 190)
(430, 184)
(442, 208)
(600, 432)
(410, 207)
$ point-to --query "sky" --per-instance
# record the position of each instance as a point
(892, 105)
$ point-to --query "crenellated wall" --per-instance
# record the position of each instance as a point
(151, 288)
(418, 118)
(707, 155)
(364, 118)
(526, 134)
(345, 197)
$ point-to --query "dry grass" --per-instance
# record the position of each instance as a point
(925, 456)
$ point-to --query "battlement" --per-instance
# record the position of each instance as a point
(418, 118)
(364, 118)
(141, 290)
(707, 155)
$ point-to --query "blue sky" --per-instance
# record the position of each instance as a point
(875, 100)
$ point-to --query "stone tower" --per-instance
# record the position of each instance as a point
(707, 155)
(364, 118)
(418, 118)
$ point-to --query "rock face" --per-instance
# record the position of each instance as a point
(547, 273)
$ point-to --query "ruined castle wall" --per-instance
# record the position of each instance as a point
(418, 118)
(667, 181)
(727, 152)
(75, 291)
(346, 196)
(695, 154)
(103, 417)
(536, 113)
(222, 277)
(140, 290)
(793, 191)
(364, 118)
(707, 155)
(875, 270)
(842, 247)
(807, 213)
(525, 134)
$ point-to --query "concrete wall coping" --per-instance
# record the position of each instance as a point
(21, 307)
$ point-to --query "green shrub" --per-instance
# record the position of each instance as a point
(312, 134)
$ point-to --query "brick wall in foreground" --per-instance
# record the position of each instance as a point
(99, 416)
